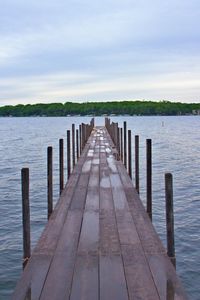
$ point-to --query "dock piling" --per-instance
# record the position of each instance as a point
(137, 177)
(149, 176)
(125, 144)
(25, 216)
(170, 217)
(129, 154)
(121, 140)
(61, 164)
(68, 154)
(77, 145)
(49, 181)
(73, 145)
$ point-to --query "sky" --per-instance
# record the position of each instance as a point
(91, 50)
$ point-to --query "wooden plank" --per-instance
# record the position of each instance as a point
(86, 274)
(32, 279)
(112, 279)
(160, 266)
(138, 276)
(163, 272)
(86, 282)
(44, 250)
(58, 282)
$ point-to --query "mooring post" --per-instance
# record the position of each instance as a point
(121, 146)
(73, 145)
(77, 145)
(129, 154)
(125, 144)
(68, 154)
(49, 181)
(83, 135)
(137, 178)
(80, 138)
(149, 177)
(118, 139)
(170, 217)
(26, 216)
(61, 164)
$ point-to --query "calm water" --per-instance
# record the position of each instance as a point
(176, 149)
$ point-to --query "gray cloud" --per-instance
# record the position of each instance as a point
(89, 50)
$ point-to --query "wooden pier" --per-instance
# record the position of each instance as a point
(99, 242)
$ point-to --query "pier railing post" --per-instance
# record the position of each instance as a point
(61, 164)
(118, 142)
(49, 181)
(26, 216)
(170, 217)
(125, 144)
(121, 146)
(129, 154)
(137, 178)
(80, 138)
(149, 176)
(73, 145)
(77, 145)
(68, 154)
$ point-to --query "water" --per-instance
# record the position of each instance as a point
(176, 148)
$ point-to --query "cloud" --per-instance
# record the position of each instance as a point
(104, 46)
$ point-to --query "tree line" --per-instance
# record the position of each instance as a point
(145, 108)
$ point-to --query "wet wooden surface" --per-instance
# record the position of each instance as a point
(99, 242)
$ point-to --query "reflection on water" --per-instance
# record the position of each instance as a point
(176, 148)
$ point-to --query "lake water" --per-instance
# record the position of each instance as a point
(176, 149)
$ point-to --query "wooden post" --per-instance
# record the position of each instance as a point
(149, 177)
(80, 139)
(118, 139)
(83, 135)
(26, 216)
(137, 177)
(170, 217)
(129, 154)
(61, 164)
(125, 144)
(73, 145)
(77, 145)
(121, 140)
(68, 154)
(49, 181)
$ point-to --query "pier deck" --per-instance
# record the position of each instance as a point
(99, 242)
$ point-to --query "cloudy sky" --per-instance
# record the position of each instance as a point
(91, 50)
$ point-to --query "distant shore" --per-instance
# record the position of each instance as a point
(114, 108)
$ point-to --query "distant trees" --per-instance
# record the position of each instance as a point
(145, 108)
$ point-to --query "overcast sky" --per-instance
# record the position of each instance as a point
(92, 50)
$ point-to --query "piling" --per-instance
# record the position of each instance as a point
(77, 145)
(25, 216)
(80, 139)
(125, 144)
(149, 176)
(61, 164)
(49, 181)
(129, 154)
(137, 176)
(73, 145)
(170, 217)
(68, 154)
(121, 142)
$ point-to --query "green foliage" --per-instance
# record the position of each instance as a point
(145, 108)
